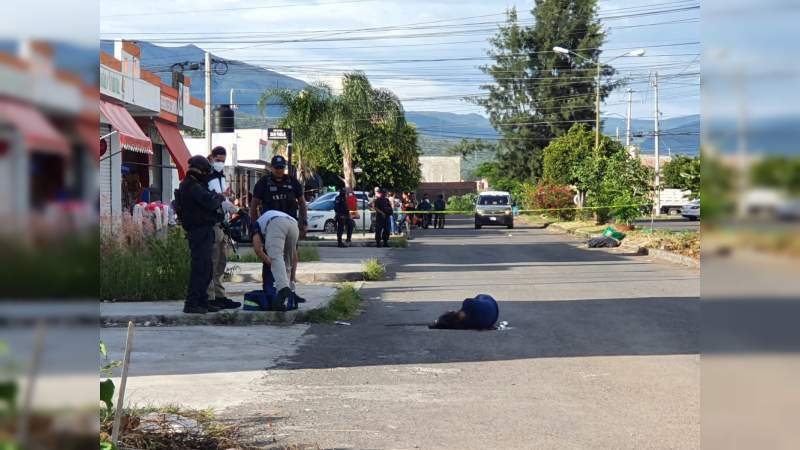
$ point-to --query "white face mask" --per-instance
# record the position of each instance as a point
(218, 166)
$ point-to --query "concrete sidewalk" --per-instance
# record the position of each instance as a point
(160, 313)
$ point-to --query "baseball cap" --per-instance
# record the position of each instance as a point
(278, 162)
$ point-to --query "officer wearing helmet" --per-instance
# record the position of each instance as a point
(199, 210)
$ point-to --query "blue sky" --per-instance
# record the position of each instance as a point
(459, 31)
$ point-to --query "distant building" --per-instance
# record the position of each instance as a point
(249, 152)
(650, 160)
(440, 169)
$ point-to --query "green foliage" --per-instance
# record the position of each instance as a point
(498, 178)
(566, 153)
(389, 158)
(156, 269)
(107, 386)
(716, 194)
(777, 172)
(464, 202)
(373, 270)
(64, 268)
(107, 446)
(538, 94)
(682, 173)
(107, 394)
(344, 306)
(624, 187)
(308, 254)
(398, 242)
(553, 197)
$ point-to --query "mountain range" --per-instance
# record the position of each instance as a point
(439, 129)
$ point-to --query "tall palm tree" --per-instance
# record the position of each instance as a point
(358, 108)
(307, 114)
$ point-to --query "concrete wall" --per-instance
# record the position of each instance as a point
(439, 169)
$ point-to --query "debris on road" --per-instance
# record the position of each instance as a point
(602, 242)
(339, 322)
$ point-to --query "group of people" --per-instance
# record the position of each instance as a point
(203, 207)
(392, 215)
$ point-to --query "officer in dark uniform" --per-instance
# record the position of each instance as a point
(280, 191)
(343, 220)
(199, 210)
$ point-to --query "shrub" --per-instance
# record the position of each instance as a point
(373, 270)
(343, 306)
(308, 254)
(557, 199)
(464, 202)
(153, 268)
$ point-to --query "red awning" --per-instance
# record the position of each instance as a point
(90, 135)
(177, 148)
(131, 136)
(37, 132)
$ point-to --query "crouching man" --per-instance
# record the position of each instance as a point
(274, 241)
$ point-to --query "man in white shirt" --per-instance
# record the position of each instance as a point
(274, 241)
(219, 255)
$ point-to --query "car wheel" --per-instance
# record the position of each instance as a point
(330, 226)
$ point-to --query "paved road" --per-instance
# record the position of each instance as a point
(602, 353)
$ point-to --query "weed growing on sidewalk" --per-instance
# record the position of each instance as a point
(343, 306)
(373, 270)
(398, 242)
(308, 254)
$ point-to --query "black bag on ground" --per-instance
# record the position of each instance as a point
(602, 242)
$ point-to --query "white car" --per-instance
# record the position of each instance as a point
(332, 196)
(321, 216)
(691, 210)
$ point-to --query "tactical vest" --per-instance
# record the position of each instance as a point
(280, 196)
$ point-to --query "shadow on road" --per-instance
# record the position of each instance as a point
(397, 333)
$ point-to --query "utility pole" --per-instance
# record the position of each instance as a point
(597, 108)
(618, 134)
(657, 162)
(208, 103)
(628, 122)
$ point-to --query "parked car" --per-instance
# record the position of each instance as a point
(691, 210)
(789, 210)
(494, 208)
(321, 216)
(332, 196)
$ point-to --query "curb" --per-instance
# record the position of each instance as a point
(662, 255)
(223, 318)
(308, 278)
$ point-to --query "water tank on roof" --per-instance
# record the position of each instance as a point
(222, 119)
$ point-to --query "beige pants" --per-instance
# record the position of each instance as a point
(282, 235)
(219, 259)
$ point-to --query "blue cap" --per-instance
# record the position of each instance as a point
(278, 162)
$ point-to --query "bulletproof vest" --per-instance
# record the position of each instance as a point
(280, 196)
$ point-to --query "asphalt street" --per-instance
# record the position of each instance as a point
(602, 352)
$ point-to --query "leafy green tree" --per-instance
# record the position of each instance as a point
(356, 111)
(468, 147)
(717, 191)
(564, 154)
(682, 173)
(537, 94)
(778, 172)
(388, 159)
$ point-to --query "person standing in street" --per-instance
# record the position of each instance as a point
(198, 210)
(425, 206)
(282, 192)
(393, 222)
(383, 216)
(275, 242)
(343, 219)
(219, 253)
(439, 205)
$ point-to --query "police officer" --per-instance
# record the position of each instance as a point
(219, 254)
(343, 219)
(199, 210)
(280, 191)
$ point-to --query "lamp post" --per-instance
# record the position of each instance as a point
(358, 171)
(566, 52)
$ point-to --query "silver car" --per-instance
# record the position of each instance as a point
(691, 210)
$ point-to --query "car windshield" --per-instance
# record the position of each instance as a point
(493, 200)
(325, 205)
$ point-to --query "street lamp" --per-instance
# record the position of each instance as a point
(566, 52)
(358, 171)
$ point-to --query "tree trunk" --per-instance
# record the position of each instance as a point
(347, 167)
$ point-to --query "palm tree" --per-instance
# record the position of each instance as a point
(307, 114)
(358, 108)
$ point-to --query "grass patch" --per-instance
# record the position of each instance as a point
(153, 269)
(344, 306)
(684, 243)
(245, 258)
(398, 242)
(373, 270)
(209, 434)
(308, 254)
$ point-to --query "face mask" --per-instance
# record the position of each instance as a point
(218, 166)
